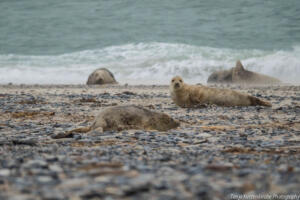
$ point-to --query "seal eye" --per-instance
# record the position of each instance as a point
(172, 80)
(180, 81)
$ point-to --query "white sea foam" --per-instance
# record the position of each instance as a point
(147, 63)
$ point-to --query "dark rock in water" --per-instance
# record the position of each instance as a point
(101, 76)
(239, 75)
(133, 117)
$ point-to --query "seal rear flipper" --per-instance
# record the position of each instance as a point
(256, 101)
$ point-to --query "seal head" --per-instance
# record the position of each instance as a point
(177, 83)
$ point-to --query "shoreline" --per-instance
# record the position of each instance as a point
(126, 85)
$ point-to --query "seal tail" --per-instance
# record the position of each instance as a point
(256, 101)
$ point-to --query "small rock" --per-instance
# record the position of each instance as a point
(44, 179)
(35, 164)
(4, 172)
(55, 168)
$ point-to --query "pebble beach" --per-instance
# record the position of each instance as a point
(215, 153)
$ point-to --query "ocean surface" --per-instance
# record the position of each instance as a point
(146, 42)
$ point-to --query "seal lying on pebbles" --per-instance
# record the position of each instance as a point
(132, 117)
(119, 118)
(239, 75)
(101, 76)
(185, 95)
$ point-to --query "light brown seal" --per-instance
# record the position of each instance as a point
(101, 76)
(133, 117)
(239, 75)
(117, 118)
(188, 96)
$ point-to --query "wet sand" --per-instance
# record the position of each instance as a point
(216, 152)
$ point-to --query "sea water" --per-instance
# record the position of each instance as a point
(146, 42)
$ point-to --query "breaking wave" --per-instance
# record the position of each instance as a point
(147, 63)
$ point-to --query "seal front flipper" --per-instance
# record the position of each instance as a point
(200, 106)
(196, 102)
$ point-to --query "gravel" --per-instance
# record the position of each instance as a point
(215, 153)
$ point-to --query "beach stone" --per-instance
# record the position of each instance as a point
(20, 197)
(50, 195)
(44, 179)
(101, 76)
(204, 135)
(29, 141)
(201, 187)
(55, 168)
(35, 164)
(132, 117)
(93, 194)
(4, 172)
(51, 158)
(73, 184)
(138, 184)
